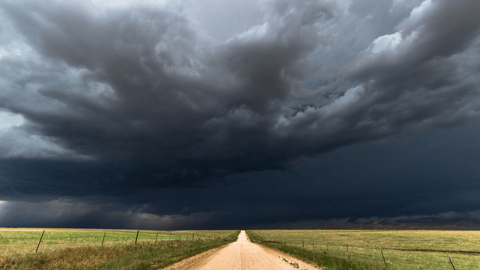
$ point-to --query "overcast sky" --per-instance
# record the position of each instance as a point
(215, 114)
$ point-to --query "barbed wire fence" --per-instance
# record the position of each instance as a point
(366, 254)
(42, 240)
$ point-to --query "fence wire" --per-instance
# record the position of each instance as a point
(375, 255)
(44, 240)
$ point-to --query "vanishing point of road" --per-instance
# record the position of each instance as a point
(241, 255)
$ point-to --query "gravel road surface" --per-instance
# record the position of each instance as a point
(241, 255)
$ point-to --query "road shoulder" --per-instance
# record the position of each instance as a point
(302, 264)
(197, 260)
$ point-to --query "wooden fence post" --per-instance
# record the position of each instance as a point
(170, 235)
(40, 241)
(136, 237)
(156, 237)
(384, 259)
(347, 253)
(303, 244)
(103, 237)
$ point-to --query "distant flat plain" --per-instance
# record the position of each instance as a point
(23, 241)
(365, 245)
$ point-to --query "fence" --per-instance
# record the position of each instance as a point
(367, 254)
(37, 241)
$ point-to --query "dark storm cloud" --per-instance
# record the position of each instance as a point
(117, 101)
(135, 53)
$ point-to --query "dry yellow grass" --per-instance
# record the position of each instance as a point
(366, 244)
(119, 255)
(23, 241)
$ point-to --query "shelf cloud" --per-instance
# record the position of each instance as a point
(245, 112)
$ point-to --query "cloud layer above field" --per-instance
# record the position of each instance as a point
(221, 113)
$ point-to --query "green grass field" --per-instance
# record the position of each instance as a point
(18, 241)
(365, 246)
(83, 249)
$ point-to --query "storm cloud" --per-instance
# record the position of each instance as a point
(234, 113)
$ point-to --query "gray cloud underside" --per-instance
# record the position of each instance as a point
(146, 102)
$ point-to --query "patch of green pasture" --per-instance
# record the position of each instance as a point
(207, 233)
(366, 246)
(148, 257)
(437, 240)
(26, 242)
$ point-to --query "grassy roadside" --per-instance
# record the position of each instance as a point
(24, 241)
(140, 256)
(402, 249)
(321, 259)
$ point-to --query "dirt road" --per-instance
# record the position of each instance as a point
(241, 255)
